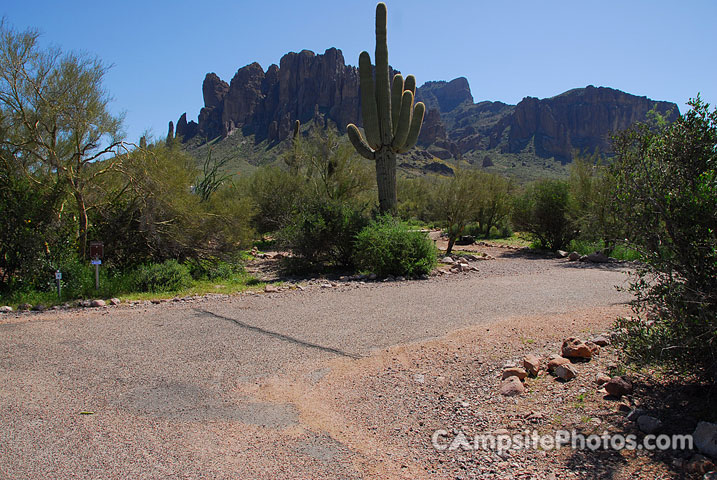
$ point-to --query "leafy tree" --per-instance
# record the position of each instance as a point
(54, 117)
(666, 179)
(543, 211)
(494, 201)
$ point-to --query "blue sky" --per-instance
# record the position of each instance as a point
(161, 51)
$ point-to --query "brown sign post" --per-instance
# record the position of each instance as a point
(97, 251)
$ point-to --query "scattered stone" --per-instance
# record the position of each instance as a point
(618, 386)
(566, 372)
(531, 363)
(271, 288)
(635, 414)
(115, 301)
(600, 340)
(699, 464)
(97, 303)
(574, 256)
(594, 348)
(400, 279)
(326, 285)
(301, 287)
(511, 386)
(649, 424)
(6, 309)
(156, 301)
(515, 372)
(705, 438)
(24, 306)
(556, 362)
(561, 254)
(574, 348)
(602, 378)
(39, 308)
(372, 276)
(596, 257)
(447, 260)
(419, 378)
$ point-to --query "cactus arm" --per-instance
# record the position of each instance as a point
(396, 93)
(410, 84)
(368, 101)
(416, 122)
(358, 142)
(403, 121)
(383, 87)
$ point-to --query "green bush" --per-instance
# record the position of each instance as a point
(666, 178)
(389, 247)
(323, 234)
(543, 212)
(162, 277)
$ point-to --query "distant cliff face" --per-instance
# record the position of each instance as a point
(267, 103)
(306, 86)
(578, 120)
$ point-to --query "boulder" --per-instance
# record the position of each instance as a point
(269, 288)
(515, 372)
(24, 306)
(565, 372)
(511, 386)
(618, 386)
(600, 340)
(649, 424)
(705, 438)
(574, 256)
(115, 301)
(531, 364)
(574, 348)
(602, 378)
(447, 260)
(97, 303)
(561, 254)
(555, 362)
(6, 309)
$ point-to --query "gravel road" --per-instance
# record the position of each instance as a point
(170, 390)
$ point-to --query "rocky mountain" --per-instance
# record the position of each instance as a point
(306, 86)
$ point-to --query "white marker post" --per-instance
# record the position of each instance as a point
(58, 277)
(97, 250)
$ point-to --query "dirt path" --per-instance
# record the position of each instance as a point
(257, 386)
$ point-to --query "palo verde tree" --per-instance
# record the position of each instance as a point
(390, 120)
(55, 121)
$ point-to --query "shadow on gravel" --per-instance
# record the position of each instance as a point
(678, 404)
(610, 266)
(278, 335)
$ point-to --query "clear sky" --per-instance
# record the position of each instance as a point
(508, 49)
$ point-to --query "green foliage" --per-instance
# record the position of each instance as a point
(322, 234)
(211, 178)
(543, 211)
(276, 195)
(168, 276)
(666, 178)
(388, 246)
(593, 208)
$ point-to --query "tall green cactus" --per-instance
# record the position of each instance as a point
(390, 120)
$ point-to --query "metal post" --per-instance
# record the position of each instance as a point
(97, 276)
(58, 277)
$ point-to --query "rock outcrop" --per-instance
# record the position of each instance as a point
(321, 88)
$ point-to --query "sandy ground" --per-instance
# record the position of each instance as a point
(298, 384)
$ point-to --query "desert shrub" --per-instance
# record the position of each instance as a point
(214, 269)
(277, 195)
(389, 247)
(666, 177)
(168, 276)
(323, 234)
(543, 211)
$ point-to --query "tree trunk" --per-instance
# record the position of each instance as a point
(386, 180)
(451, 242)
(82, 224)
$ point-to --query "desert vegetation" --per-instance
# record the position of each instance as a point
(336, 203)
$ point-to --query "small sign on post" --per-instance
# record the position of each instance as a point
(58, 277)
(97, 251)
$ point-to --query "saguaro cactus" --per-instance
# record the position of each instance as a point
(390, 120)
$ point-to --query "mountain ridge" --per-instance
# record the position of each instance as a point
(322, 88)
